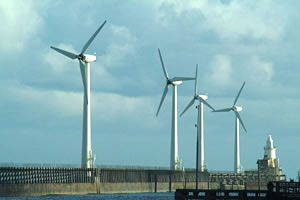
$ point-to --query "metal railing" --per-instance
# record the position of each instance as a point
(15, 175)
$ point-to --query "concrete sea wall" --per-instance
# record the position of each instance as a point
(46, 189)
(46, 181)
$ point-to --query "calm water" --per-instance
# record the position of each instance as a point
(137, 196)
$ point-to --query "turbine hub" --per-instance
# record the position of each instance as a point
(237, 108)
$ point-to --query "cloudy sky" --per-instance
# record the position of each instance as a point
(232, 41)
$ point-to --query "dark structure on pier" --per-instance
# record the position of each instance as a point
(276, 191)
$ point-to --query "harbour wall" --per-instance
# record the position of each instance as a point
(47, 181)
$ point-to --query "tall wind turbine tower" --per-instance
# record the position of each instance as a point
(238, 120)
(87, 157)
(174, 160)
(200, 129)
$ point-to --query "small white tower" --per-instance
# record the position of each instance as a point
(270, 153)
(269, 165)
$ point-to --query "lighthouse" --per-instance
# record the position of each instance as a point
(270, 163)
(270, 153)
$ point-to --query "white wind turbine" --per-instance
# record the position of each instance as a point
(200, 129)
(236, 109)
(87, 158)
(174, 161)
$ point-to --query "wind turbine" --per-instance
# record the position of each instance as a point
(236, 110)
(200, 130)
(174, 161)
(87, 158)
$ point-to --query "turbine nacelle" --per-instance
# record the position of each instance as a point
(176, 82)
(204, 97)
(88, 58)
(237, 108)
(171, 82)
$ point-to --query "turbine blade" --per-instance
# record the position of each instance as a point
(241, 121)
(238, 95)
(223, 110)
(163, 66)
(92, 38)
(188, 106)
(66, 53)
(83, 76)
(162, 98)
(182, 79)
(196, 77)
(207, 104)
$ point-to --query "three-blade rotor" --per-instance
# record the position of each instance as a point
(200, 98)
(235, 108)
(80, 56)
(169, 81)
(87, 44)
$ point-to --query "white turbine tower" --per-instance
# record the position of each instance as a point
(87, 158)
(236, 109)
(174, 161)
(200, 129)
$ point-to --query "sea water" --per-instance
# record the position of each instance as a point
(131, 196)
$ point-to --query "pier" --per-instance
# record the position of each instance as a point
(36, 181)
